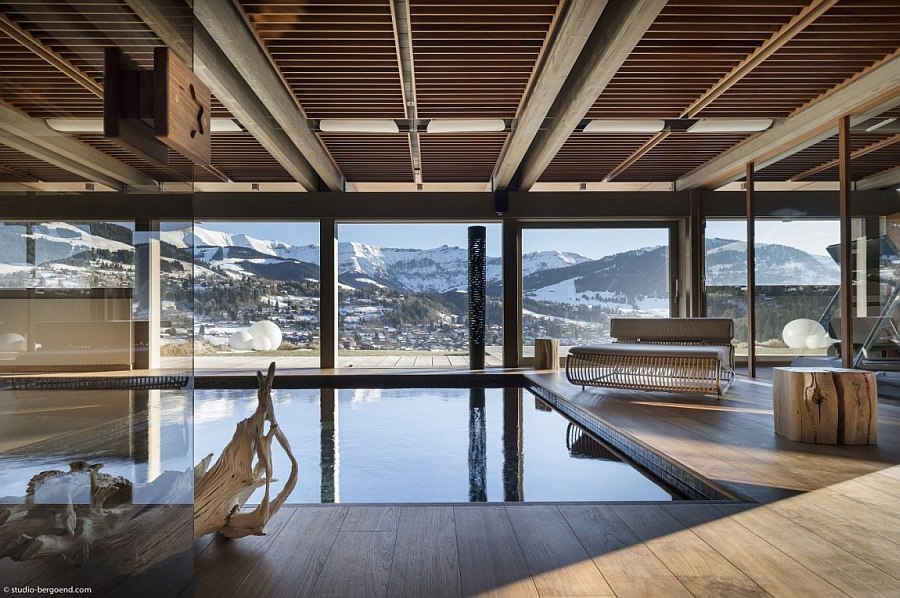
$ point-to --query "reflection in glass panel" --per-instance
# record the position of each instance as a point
(256, 294)
(726, 276)
(102, 477)
(796, 280)
(403, 295)
(575, 280)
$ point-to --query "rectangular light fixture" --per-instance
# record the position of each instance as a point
(358, 125)
(95, 125)
(472, 125)
(634, 125)
(730, 125)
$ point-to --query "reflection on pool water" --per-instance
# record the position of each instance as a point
(364, 445)
(426, 445)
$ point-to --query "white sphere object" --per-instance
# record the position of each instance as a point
(10, 341)
(269, 330)
(797, 331)
(261, 343)
(241, 341)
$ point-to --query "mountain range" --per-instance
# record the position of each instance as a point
(634, 276)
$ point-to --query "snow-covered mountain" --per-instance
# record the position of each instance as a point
(726, 265)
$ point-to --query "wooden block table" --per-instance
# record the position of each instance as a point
(546, 354)
(825, 405)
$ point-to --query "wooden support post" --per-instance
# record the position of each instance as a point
(546, 354)
(825, 406)
(845, 252)
(328, 293)
(512, 293)
(751, 274)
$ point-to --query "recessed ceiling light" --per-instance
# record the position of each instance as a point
(472, 125)
(95, 125)
(645, 125)
(358, 125)
(730, 125)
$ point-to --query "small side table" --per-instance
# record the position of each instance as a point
(825, 405)
(546, 354)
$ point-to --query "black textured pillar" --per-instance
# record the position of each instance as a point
(477, 295)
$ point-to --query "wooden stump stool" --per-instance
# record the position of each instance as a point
(546, 354)
(825, 405)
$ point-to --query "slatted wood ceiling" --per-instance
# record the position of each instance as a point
(473, 59)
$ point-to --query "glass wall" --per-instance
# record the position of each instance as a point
(403, 295)
(257, 294)
(726, 276)
(575, 279)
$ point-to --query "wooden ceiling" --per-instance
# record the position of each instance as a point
(482, 59)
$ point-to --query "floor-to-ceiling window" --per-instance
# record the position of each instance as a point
(403, 294)
(575, 278)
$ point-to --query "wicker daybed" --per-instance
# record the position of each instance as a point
(692, 355)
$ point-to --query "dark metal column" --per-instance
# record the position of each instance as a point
(477, 295)
(698, 257)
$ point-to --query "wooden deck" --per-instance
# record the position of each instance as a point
(809, 520)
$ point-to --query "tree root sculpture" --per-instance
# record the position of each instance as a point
(83, 513)
(220, 492)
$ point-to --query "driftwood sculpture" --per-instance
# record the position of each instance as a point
(220, 492)
(82, 513)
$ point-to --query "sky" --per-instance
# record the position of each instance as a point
(809, 235)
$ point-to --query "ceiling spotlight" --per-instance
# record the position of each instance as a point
(645, 125)
(357, 125)
(730, 125)
(473, 125)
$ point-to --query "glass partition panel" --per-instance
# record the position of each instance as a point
(797, 279)
(403, 295)
(726, 276)
(575, 279)
(257, 294)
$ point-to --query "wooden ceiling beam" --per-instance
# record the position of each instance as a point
(876, 90)
(172, 22)
(790, 30)
(882, 180)
(571, 32)
(617, 32)
(33, 137)
(231, 32)
(874, 147)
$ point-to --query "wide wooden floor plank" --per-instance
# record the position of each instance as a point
(774, 571)
(558, 562)
(491, 562)
(224, 564)
(829, 561)
(629, 567)
(888, 503)
(359, 565)
(371, 519)
(426, 560)
(297, 556)
(697, 565)
(843, 529)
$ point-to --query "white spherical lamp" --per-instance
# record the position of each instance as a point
(241, 341)
(268, 330)
(261, 343)
(797, 332)
(12, 342)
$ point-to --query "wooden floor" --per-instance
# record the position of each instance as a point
(812, 521)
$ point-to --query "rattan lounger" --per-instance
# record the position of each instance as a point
(691, 355)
